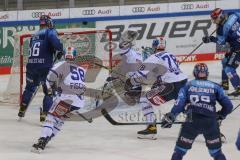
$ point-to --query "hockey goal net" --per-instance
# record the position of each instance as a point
(93, 46)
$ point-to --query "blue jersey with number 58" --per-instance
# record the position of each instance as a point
(201, 96)
(43, 45)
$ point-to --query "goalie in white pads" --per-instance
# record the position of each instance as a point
(165, 87)
(128, 55)
(66, 82)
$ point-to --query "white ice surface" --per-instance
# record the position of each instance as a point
(100, 140)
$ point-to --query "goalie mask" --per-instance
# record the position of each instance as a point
(200, 71)
(159, 44)
(70, 53)
(45, 20)
(127, 39)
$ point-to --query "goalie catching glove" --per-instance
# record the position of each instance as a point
(107, 90)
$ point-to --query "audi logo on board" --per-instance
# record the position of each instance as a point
(37, 14)
(138, 9)
(187, 6)
(89, 12)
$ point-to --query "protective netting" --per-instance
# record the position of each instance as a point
(92, 47)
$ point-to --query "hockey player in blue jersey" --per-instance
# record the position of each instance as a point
(44, 45)
(198, 97)
(228, 31)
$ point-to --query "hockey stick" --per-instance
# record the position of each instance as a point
(195, 49)
(235, 108)
(113, 122)
(89, 120)
(102, 66)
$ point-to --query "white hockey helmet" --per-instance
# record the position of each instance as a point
(159, 44)
(70, 53)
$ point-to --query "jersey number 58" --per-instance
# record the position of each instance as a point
(77, 73)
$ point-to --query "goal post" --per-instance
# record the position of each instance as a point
(93, 46)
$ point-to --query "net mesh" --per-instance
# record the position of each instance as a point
(92, 47)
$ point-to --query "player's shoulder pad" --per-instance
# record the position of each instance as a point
(189, 83)
(58, 64)
(52, 32)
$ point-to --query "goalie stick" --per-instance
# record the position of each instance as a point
(113, 122)
(89, 120)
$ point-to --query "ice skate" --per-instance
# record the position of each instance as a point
(236, 94)
(21, 112)
(43, 115)
(225, 85)
(40, 146)
(149, 133)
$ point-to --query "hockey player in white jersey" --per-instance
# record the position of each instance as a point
(66, 82)
(164, 88)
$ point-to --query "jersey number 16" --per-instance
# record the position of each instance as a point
(34, 51)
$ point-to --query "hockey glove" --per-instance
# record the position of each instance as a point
(107, 90)
(59, 54)
(208, 39)
(168, 120)
(128, 85)
(220, 117)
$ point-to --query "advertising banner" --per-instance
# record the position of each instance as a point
(35, 14)
(8, 16)
(182, 34)
(182, 24)
(7, 40)
(191, 6)
(94, 12)
(144, 9)
(229, 4)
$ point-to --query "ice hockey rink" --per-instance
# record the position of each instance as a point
(101, 140)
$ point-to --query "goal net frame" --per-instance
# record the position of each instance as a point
(67, 32)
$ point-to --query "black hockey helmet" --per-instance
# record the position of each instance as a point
(200, 71)
(46, 20)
